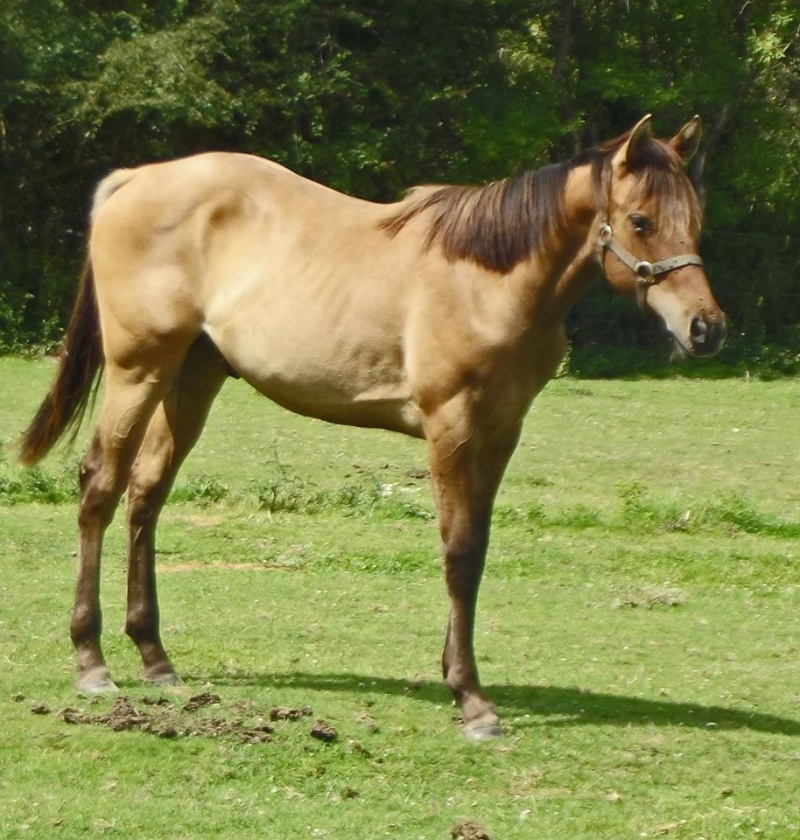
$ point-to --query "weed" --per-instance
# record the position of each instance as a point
(281, 491)
(37, 485)
(731, 509)
(360, 497)
(638, 511)
(577, 516)
(286, 492)
(535, 515)
(204, 489)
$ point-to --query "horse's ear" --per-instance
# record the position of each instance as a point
(633, 148)
(686, 141)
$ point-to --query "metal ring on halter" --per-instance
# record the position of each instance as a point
(644, 272)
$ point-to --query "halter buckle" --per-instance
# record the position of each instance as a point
(644, 272)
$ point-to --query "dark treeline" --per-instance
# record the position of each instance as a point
(374, 96)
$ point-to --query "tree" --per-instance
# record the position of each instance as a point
(373, 96)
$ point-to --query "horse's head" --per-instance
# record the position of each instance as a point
(650, 223)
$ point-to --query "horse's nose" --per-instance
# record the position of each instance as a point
(707, 337)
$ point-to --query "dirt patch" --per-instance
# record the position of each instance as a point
(200, 700)
(201, 716)
(227, 567)
(650, 597)
(323, 731)
(288, 713)
(469, 830)
(197, 520)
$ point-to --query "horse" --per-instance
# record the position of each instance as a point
(440, 316)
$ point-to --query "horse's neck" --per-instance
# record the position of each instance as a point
(573, 283)
(568, 263)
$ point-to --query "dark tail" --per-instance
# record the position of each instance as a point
(80, 364)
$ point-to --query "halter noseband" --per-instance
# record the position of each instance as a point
(647, 273)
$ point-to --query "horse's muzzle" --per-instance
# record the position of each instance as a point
(707, 337)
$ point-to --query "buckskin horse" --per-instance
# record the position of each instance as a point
(440, 316)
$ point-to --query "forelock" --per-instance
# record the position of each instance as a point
(660, 177)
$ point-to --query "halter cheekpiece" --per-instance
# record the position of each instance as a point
(647, 273)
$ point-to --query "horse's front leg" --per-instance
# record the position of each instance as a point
(466, 470)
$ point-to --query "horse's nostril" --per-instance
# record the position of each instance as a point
(698, 330)
(707, 337)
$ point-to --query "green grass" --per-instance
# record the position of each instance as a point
(638, 629)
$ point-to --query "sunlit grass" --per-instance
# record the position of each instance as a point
(638, 629)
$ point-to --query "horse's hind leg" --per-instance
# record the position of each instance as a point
(174, 429)
(127, 405)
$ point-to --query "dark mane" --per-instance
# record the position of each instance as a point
(496, 226)
(505, 222)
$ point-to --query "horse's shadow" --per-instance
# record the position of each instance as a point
(530, 706)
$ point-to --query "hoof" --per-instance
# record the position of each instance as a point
(482, 731)
(95, 683)
(163, 679)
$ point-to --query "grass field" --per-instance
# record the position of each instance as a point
(638, 630)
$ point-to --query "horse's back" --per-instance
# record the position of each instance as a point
(162, 195)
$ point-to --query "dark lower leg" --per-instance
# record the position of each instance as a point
(86, 627)
(463, 573)
(466, 475)
(96, 511)
(142, 618)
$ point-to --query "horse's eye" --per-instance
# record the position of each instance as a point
(641, 224)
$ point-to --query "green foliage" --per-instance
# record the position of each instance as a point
(728, 512)
(643, 512)
(282, 491)
(644, 663)
(374, 97)
(203, 489)
(37, 485)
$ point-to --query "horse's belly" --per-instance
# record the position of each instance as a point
(334, 378)
(385, 405)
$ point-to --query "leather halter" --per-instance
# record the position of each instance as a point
(647, 273)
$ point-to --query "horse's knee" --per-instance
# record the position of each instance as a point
(463, 566)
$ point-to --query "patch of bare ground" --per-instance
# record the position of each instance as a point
(228, 567)
(201, 716)
(196, 520)
(469, 830)
(651, 597)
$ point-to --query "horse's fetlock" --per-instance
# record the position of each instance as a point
(85, 625)
(141, 624)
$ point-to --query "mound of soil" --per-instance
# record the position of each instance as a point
(164, 719)
(469, 830)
